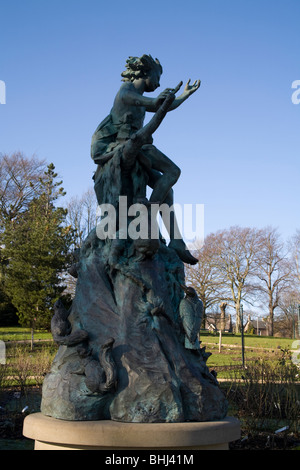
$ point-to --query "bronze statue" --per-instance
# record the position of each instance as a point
(128, 345)
(127, 118)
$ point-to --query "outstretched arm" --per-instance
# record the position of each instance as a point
(132, 98)
(135, 143)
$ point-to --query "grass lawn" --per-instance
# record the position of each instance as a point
(230, 357)
(18, 333)
(256, 347)
(252, 341)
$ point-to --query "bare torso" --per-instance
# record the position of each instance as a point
(122, 111)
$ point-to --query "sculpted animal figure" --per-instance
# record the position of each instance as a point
(61, 328)
(191, 314)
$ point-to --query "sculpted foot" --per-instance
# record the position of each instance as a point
(180, 247)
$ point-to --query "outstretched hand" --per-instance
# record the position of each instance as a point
(163, 95)
(190, 89)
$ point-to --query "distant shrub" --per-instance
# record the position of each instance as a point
(267, 395)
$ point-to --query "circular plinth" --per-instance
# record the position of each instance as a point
(54, 434)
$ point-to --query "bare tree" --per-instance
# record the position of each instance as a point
(82, 215)
(295, 254)
(223, 306)
(273, 271)
(235, 256)
(89, 202)
(204, 276)
(20, 179)
(287, 318)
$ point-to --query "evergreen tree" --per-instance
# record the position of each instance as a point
(19, 184)
(8, 315)
(36, 247)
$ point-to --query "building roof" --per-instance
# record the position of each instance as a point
(213, 321)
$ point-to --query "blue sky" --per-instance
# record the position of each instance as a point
(236, 140)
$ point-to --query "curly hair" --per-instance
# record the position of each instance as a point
(138, 67)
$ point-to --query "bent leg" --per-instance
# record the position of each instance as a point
(170, 222)
(169, 173)
(168, 217)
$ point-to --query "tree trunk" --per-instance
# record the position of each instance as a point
(223, 306)
(238, 317)
(271, 320)
(204, 317)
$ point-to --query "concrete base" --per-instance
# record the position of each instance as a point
(53, 434)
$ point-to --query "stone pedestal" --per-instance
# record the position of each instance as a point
(53, 434)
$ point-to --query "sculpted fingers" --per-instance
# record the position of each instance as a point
(177, 88)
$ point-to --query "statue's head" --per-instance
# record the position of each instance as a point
(190, 291)
(140, 67)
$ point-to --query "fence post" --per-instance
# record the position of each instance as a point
(2, 353)
(242, 334)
